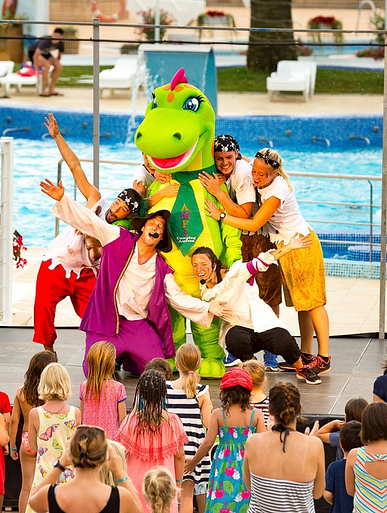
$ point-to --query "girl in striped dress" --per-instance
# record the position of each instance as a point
(366, 467)
(191, 402)
(259, 398)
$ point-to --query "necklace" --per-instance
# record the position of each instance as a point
(58, 411)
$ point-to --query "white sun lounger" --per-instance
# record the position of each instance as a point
(119, 77)
(17, 80)
(293, 76)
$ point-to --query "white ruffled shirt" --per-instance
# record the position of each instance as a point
(68, 248)
(246, 307)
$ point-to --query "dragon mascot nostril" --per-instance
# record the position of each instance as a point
(177, 137)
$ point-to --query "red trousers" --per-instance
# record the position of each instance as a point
(52, 286)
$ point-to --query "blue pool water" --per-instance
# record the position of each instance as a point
(35, 160)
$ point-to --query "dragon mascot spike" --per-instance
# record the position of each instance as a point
(177, 137)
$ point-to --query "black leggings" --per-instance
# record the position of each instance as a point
(244, 342)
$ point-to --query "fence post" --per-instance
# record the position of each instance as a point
(6, 233)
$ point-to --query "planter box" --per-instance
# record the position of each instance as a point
(227, 20)
(71, 47)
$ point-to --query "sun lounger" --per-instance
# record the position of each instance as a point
(119, 77)
(293, 76)
(19, 79)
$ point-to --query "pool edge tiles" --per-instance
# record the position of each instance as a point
(352, 269)
(282, 130)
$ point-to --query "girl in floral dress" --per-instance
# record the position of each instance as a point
(233, 423)
(52, 424)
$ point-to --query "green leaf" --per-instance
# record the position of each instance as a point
(228, 487)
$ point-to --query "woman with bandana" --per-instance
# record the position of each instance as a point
(302, 271)
(241, 201)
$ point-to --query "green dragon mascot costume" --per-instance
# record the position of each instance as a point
(177, 137)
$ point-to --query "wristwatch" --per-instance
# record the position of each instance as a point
(222, 215)
(56, 464)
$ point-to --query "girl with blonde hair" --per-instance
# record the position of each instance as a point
(259, 397)
(26, 398)
(302, 271)
(191, 401)
(52, 424)
(159, 489)
(102, 398)
(88, 452)
(106, 475)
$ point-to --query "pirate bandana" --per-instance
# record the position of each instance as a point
(225, 143)
(129, 196)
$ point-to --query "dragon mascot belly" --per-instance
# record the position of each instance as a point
(177, 137)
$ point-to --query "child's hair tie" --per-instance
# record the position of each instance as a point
(191, 372)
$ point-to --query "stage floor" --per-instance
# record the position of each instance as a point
(356, 362)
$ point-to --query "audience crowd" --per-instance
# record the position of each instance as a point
(156, 460)
(172, 452)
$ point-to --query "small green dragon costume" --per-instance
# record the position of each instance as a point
(177, 137)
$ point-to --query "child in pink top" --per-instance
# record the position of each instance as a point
(102, 398)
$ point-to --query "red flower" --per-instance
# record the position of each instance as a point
(18, 247)
(245, 494)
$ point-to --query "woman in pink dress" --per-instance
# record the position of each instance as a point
(151, 435)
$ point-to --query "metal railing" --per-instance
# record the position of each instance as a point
(370, 225)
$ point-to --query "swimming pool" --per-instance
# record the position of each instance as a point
(32, 209)
(354, 148)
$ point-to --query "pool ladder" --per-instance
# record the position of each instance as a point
(360, 138)
(10, 130)
(315, 139)
(268, 141)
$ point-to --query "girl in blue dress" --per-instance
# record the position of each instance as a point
(233, 423)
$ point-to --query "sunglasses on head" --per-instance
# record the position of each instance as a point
(265, 157)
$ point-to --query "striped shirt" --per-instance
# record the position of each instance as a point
(280, 496)
(189, 412)
(264, 407)
(370, 493)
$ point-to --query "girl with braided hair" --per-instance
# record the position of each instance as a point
(159, 489)
(290, 470)
(152, 436)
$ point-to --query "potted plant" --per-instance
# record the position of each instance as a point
(148, 18)
(71, 47)
(326, 22)
(215, 18)
(14, 31)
